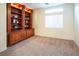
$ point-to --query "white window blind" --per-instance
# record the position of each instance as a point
(54, 18)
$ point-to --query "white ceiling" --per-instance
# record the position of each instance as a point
(41, 5)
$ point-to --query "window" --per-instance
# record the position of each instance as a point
(54, 17)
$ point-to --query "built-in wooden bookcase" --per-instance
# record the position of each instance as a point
(28, 19)
(14, 16)
(16, 19)
(19, 23)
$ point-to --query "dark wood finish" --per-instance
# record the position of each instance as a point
(8, 18)
(14, 37)
(30, 32)
(17, 35)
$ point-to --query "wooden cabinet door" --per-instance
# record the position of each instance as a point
(23, 35)
(27, 33)
(15, 37)
(30, 32)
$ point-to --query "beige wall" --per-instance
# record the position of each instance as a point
(2, 27)
(76, 24)
(65, 33)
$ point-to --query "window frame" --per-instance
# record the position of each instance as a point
(54, 13)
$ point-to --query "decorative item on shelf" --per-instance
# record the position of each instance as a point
(15, 16)
(16, 27)
(17, 21)
(27, 18)
(26, 21)
(15, 24)
(26, 26)
(14, 21)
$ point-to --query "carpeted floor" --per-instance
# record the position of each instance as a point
(43, 46)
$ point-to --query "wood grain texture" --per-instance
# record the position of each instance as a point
(15, 36)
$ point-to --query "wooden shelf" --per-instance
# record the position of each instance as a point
(16, 13)
(27, 18)
(19, 23)
(16, 18)
(16, 5)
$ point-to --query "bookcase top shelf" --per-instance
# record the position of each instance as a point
(20, 7)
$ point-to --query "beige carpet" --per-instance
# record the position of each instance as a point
(43, 46)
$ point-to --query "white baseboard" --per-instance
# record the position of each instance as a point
(76, 43)
(3, 49)
(54, 37)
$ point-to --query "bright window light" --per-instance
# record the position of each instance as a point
(54, 10)
(54, 21)
(54, 18)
